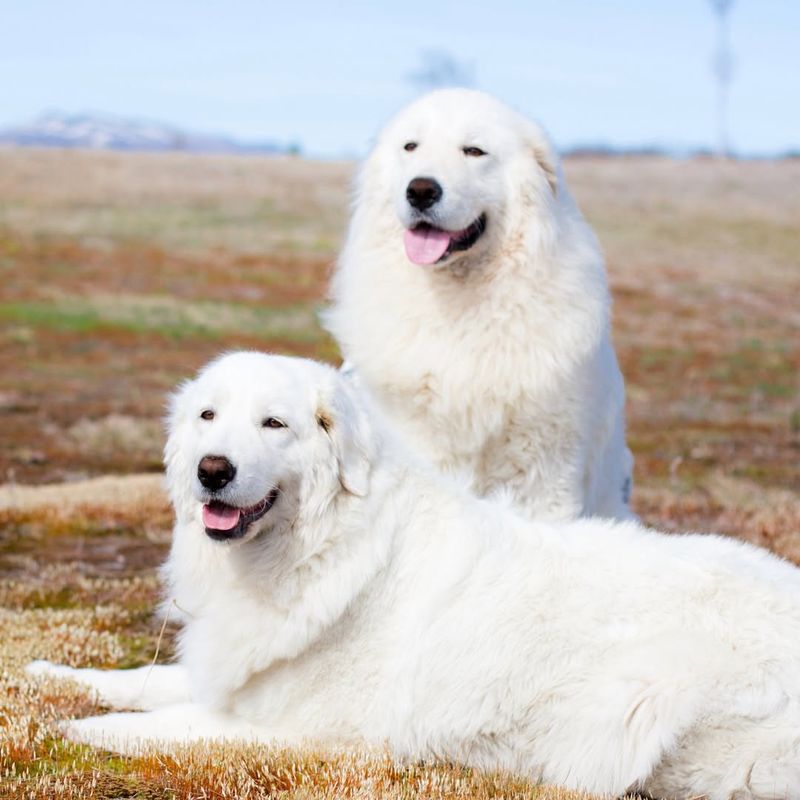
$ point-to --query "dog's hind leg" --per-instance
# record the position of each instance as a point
(143, 688)
(777, 779)
(756, 759)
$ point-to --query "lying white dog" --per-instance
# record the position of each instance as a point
(471, 298)
(334, 590)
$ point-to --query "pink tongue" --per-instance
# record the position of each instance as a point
(219, 517)
(425, 245)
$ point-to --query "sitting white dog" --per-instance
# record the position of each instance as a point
(335, 590)
(471, 299)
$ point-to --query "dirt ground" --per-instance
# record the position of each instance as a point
(121, 274)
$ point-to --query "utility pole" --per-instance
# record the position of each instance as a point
(722, 66)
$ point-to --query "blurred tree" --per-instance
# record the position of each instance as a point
(722, 66)
(439, 69)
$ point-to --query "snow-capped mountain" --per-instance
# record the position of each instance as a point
(106, 132)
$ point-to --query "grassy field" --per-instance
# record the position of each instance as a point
(121, 274)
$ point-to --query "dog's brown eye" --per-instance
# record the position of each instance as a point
(272, 422)
(410, 147)
(473, 151)
(207, 414)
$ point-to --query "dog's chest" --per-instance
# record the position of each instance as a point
(489, 426)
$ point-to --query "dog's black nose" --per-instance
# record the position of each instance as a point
(214, 472)
(422, 193)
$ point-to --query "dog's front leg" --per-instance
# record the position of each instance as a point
(143, 688)
(162, 729)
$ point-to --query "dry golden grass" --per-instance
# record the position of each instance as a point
(184, 203)
(144, 493)
(719, 224)
(121, 274)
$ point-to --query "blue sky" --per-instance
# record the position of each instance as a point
(328, 74)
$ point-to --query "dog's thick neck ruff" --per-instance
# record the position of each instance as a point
(292, 584)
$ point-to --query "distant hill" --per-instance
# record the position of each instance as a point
(106, 132)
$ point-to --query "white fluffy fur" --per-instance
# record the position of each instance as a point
(380, 602)
(497, 363)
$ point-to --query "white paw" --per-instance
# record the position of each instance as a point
(100, 732)
(46, 669)
(69, 729)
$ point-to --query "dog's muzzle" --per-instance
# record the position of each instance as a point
(224, 522)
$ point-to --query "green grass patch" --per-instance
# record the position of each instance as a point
(167, 317)
(79, 320)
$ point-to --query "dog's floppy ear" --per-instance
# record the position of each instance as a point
(342, 416)
(175, 417)
(545, 161)
(178, 469)
(543, 154)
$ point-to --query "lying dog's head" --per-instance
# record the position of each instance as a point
(257, 442)
(455, 162)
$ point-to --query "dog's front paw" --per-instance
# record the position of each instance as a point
(46, 669)
(85, 731)
(103, 731)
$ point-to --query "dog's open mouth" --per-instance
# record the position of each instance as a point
(426, 244)
(224, 522)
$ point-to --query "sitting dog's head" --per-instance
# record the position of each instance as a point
(458, 165)
(257, 443)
